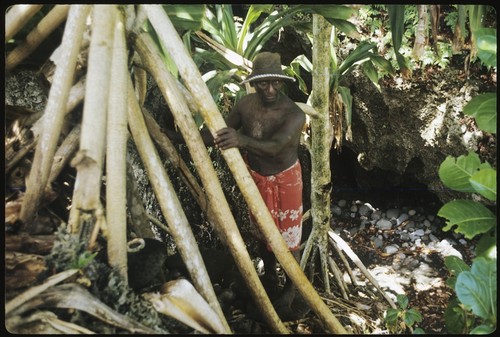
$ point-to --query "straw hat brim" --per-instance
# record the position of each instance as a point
(264, 76)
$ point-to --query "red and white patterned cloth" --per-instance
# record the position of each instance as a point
(282, 193)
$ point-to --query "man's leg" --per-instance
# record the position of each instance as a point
(270, 280)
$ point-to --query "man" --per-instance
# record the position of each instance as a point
(266, 127)
(270, 126)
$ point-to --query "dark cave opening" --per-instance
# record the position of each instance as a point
(381, 188)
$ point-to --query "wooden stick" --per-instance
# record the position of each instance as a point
(345, 247)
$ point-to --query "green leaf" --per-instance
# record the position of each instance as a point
(345, 26)
(332, 11)
(418, 331)
(477, 289)
(382, 63)
(455, 264)
(412, 316)
(455, 317)
(253, 14)
(186, 17)
(402, 301)
(484, 109)
(487, 246)
(471, 217)
(357, 56)
(455, 174)
(391, 316)
(487, 46)
(485, 183)
(370, 72)
(483, 330)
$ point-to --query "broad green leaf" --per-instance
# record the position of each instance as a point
(412, 316)
(419, 331)
(477, 289)
(186, 17)
(391, 316)
(483, 330)
(455, 317)
(370, 72)
(487, 246)
(224, 15)
(346, 27)
(455, 265)
(382, 63)
(332, 11)
(402, 301)
(296, 64)
(485, 183)
(470, 217)
(253, 14)
(484, 109)
(455, 173)
(487, 46)
(361, 53)
(396, 16)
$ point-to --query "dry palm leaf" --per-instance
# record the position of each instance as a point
(74, 296)
(181, 301)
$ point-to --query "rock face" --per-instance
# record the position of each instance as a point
(409, 127)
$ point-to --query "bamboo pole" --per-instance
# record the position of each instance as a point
(203, 163)
(170, 205)
(54, 114)
(116, 153)
(194, 82)
(46, 26)
(17, 17)
(89, 159)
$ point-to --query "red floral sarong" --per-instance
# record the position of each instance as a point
(282, 193)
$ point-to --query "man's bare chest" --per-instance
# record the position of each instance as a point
(263, 125)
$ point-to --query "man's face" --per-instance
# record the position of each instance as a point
(268, 89)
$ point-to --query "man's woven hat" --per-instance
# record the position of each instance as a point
(267, 65)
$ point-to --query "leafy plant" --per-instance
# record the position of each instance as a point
(402, 318)
(474, 309)
(83, 260)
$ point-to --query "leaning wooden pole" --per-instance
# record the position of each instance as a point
(90, 157)
(194, 82)
(116, 153)
(17, 16)
(170, 205)
(217, 201)
(53, 117)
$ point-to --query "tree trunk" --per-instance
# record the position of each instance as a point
(321, 142)
(420, 32)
